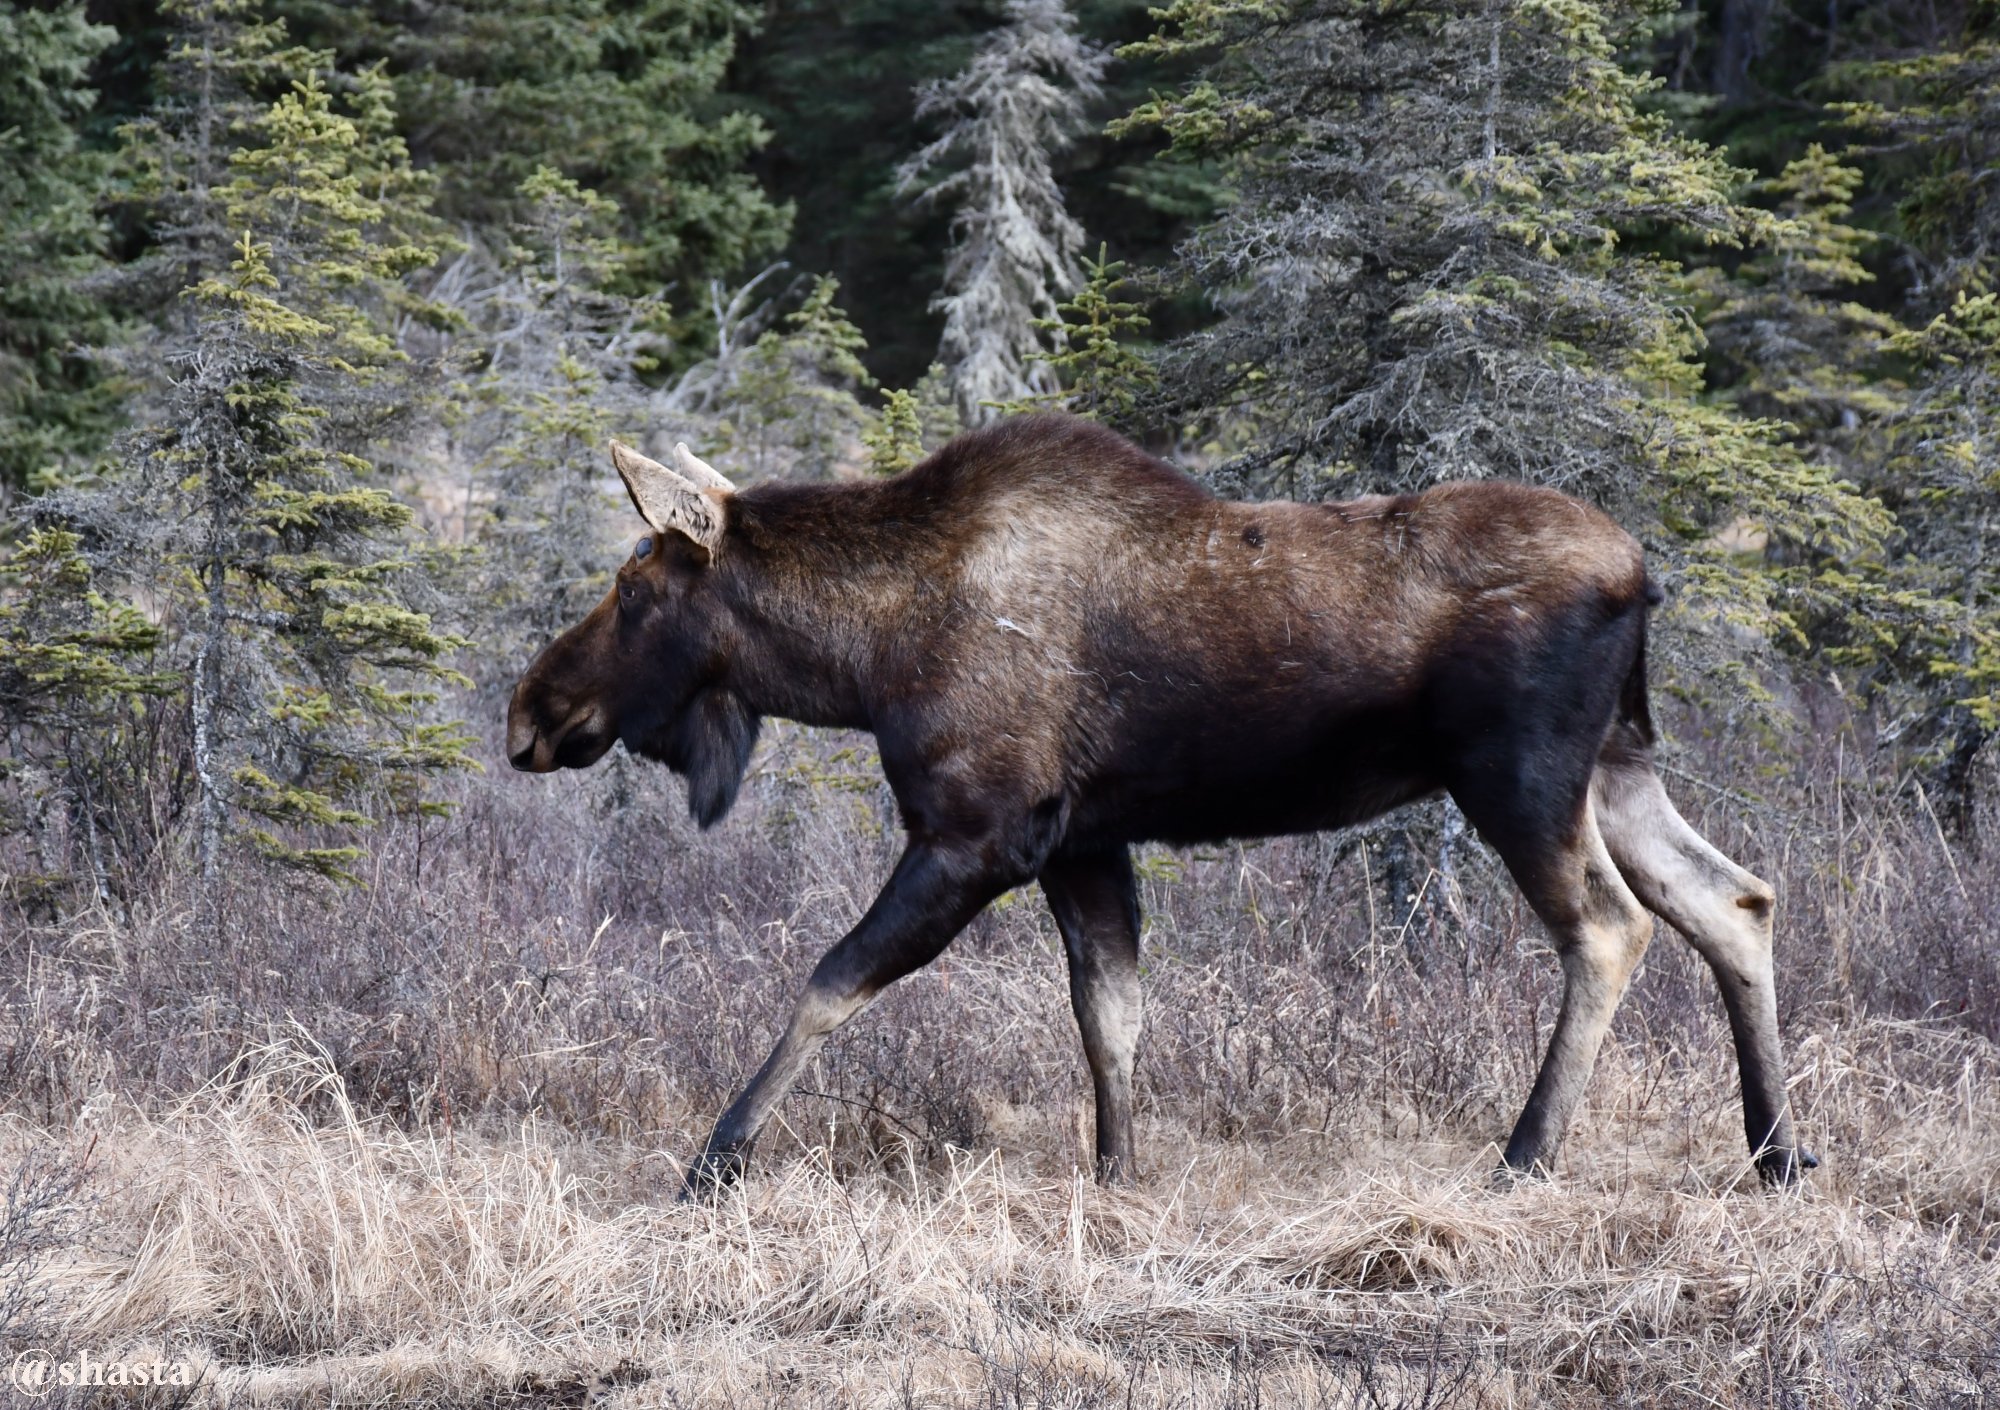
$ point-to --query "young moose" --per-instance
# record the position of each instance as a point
(1065, 647)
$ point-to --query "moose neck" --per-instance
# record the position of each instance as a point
(811, 573)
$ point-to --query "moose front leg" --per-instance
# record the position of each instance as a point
(934, 891)
(1096, 906)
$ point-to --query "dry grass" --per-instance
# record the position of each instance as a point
(303, 1256)
(418, 1145)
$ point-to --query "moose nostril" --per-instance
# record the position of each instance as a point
(523, 737)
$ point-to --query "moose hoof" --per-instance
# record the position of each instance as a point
(1510, 1177)
(711, 1173)
(1115, 1173)
(1780, 1166)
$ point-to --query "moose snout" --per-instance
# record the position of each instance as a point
(550, 729)
(527, 747)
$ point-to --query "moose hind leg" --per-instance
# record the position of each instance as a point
(1725, 913)
(1549, 840)
(1096, 906)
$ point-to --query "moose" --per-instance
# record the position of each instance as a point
(1065, 647)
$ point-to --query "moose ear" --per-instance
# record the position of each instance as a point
(699, 472)
(669, 501)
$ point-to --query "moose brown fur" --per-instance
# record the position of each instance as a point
(1065, 647)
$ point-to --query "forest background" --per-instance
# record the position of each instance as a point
(315, 320)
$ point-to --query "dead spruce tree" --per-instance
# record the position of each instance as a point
(562, 357)
(1015, 247)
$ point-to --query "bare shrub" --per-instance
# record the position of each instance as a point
(40, 1221)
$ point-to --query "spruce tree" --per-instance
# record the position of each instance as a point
(1941, 472)
(1788, 334)
(223, 63)
(1943, 475)
(913, 422)
(75, 667)
(896, 439)
(833, 80)
(618, 95)
(1943, 104)
(1791, 339)
(1102, 375)
(290, 580)
(1441, 262)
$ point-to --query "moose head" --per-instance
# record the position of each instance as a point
(650, 664)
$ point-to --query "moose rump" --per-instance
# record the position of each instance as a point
(1065, 647)
(1328, 663)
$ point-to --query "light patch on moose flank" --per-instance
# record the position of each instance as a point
(1027, 546)
(1022, 573)
(391, 1266)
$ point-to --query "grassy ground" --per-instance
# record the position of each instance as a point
(418, 1143)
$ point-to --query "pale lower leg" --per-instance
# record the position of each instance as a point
(1095, 905)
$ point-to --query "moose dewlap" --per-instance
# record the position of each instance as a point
(1065, 647)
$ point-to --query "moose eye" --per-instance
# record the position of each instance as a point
(642, 548)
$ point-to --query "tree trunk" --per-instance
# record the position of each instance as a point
(206, 695)
(1740, 44)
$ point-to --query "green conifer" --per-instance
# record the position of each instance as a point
(1103, 376)
(75, 666)
(617, 95)
(895, 440)
(56, 405)
(290, 578)
(1939, 653)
